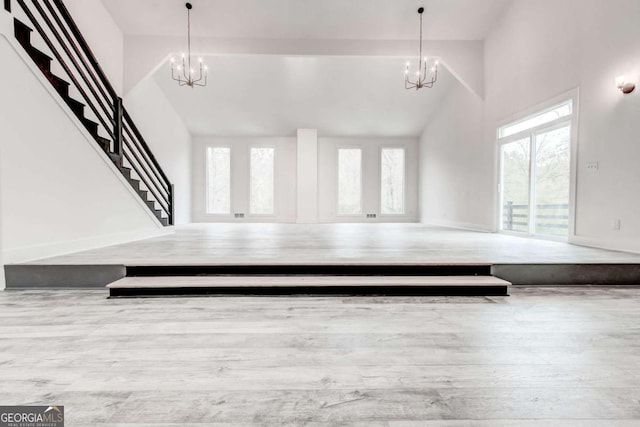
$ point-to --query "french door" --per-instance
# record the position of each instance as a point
(535, 182)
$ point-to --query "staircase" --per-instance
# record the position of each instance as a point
(100, 109)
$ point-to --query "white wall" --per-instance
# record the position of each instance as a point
(538, 50)
(2, 279)
(542, 48)
(456, 166)
(328, 182)
(60, 193)
(307, 176)
(103, 36)
(168, 138)
(285, 178)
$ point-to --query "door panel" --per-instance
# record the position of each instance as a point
(552, 181)
(515, 180)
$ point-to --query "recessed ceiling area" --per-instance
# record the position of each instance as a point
(309, 19)
(273, 95)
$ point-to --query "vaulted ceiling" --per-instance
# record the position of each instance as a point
(310, 19)
(272, 95)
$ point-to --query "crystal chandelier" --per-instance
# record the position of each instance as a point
(184, 73)
(425, 76)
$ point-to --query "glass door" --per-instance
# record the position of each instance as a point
(515, 184)
(535, 183)
(552, 181)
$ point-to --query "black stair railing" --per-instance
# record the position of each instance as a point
(106, 118)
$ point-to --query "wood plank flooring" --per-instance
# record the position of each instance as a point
(360, 244)
(544, 356)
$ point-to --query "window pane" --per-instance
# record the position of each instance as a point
(563, 110)
(552, 182)
(392, 181)
(262, 184)
(515, 186)
(218, 180)
(349, 181)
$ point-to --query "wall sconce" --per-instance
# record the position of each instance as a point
(625, 86)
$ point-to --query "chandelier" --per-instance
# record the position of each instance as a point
(184, 73)
(425, 76)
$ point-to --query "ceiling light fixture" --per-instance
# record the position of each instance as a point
(425, 76)
(185, 74)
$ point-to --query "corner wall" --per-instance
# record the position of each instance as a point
(543, 48)
(456, 167)
(537, 51)
(168, 138)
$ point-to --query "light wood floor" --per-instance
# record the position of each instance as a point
(544, 356)
(239, 244)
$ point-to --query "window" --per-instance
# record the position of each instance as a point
(563, 110)
(349, 181)
(261, 193)
(218, 180)
(392, 181)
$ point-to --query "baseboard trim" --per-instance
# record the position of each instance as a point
(32, 253)
(388, 219)
(621, 245)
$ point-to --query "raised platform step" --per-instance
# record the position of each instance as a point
(44, 276)
(382, 269)
(287, 285)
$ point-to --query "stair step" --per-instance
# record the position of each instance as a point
(76, 106)
(104, 143)
(22, 32)
(125, 171)
(158, 214)
(62, 87)
(437, 285)
(116, 159)
(91, 126)
(135, 184)
(42, 60)
(303, 280)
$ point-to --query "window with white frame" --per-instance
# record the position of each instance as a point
(219, 180)
(548, 115)
(349, 181)
(535, 172)
(392, 163)
(261, 193)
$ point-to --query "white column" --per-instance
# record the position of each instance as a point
(307, 176)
